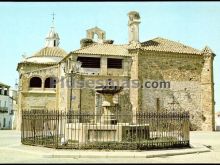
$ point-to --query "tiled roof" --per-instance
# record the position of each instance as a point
(157, 44)
(51, 51)
(103, 49)
(2, 84)
(165, 45)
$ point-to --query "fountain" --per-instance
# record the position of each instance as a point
(106, 128)
(109, 106)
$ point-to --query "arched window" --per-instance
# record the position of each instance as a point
(35, 82)
(96, 37)
(50, 82)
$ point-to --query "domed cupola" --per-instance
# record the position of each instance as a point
(52, 39)
(51, 52)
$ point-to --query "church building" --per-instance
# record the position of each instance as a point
(163, 75)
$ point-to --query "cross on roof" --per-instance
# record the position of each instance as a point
(53, 18)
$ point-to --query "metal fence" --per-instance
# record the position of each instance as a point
(73, 130)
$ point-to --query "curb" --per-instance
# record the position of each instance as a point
(145, 154)
(173, 154)
(195, 148)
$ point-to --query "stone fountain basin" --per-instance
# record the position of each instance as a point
(87, 132)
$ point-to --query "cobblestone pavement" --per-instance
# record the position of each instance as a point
(12, 151)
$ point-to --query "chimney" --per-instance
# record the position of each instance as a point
(133, 26)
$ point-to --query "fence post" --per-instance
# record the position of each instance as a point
(58, 127)
(22, 127)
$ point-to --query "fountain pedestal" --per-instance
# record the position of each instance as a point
(108, 113)
(108, 128)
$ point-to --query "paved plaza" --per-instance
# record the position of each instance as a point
(206, 144)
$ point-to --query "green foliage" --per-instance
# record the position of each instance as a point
(110, 146)
(136, 144)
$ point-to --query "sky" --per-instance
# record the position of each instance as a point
(24, 26)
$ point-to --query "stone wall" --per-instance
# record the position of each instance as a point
(88, 95)
(36, 98)
(184, 90)
(39, 101)
(125, 107)
(87, 100)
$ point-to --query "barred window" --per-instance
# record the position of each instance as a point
(89, 62)
(114, 63)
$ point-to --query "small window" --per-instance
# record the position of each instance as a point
(5, 92)
(114, 63)
(89, 62)
(4, 122)
(35, 82)
(50, 82)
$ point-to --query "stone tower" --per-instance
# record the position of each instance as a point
(134, 44)
(207, 85)
(133, 26)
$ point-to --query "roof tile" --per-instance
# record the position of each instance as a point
(51, 51)
(165, 45)
(103, 49)
(157, 44)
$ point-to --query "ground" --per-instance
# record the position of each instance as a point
(12, 151)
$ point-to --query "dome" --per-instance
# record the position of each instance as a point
(51, 51)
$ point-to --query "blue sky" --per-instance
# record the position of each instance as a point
(24, 26)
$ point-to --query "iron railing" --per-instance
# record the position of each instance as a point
(139, 131)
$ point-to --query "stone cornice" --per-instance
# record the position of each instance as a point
(41, 70)
(206, 83)
(105, 76)
(34, 64)
(169, 54)
(133, 50)
(38, 92)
